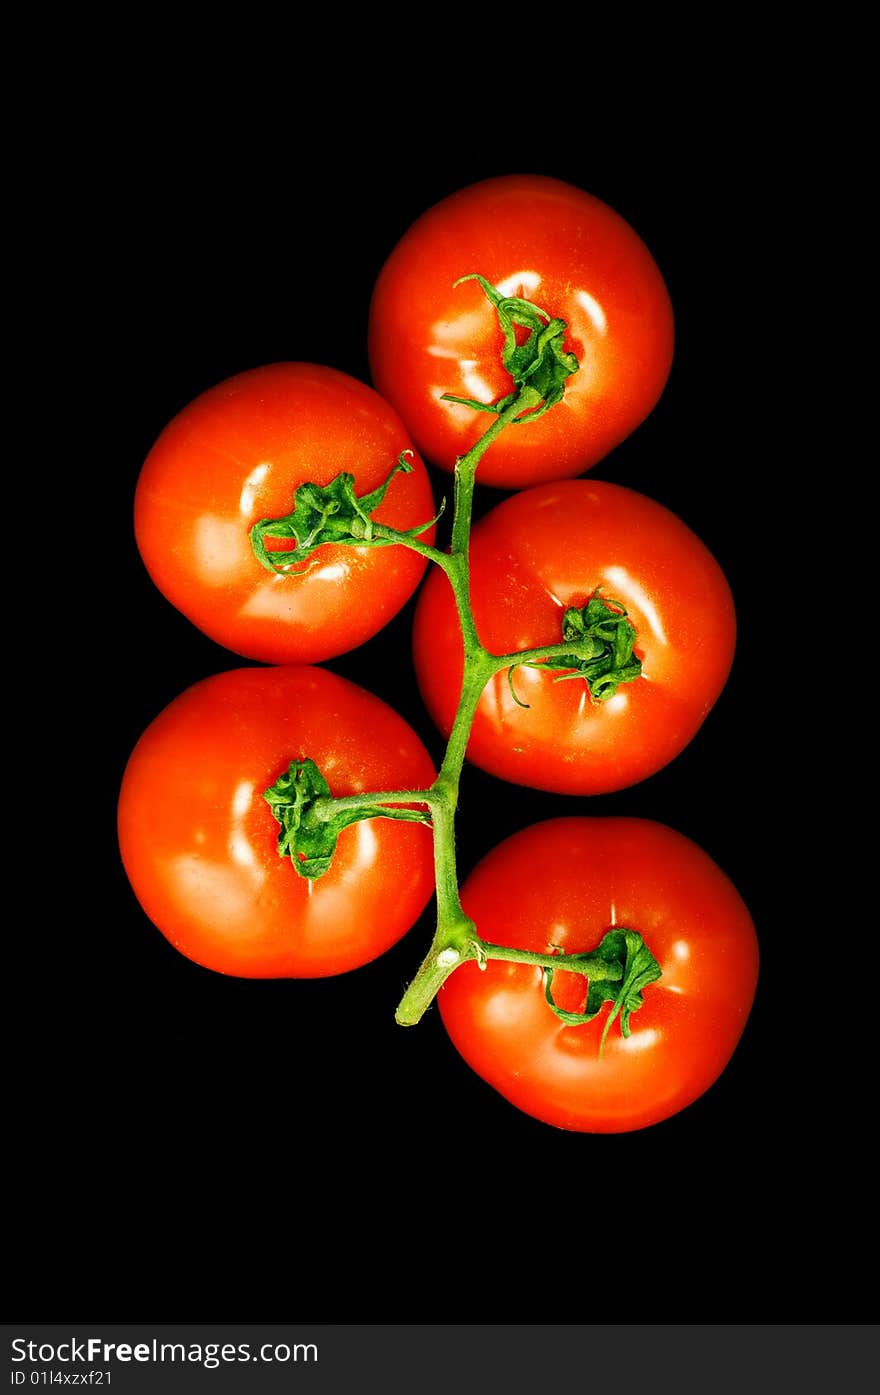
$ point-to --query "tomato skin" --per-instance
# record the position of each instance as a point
(236, 454)
(595, 874)
(548, 548)
(198, 841)
(570, 254)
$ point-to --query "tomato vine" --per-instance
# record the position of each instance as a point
(311, 818)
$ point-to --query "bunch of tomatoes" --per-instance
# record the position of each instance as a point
(240, 518)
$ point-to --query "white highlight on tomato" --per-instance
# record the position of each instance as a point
(502, 1008)
(241, 799)
(212, 890)
(474, 382)
(626, 588)
(333, 571)
(521, 283)
(368, 843)
(639, 1041)
(240, 849)
(275, 595)
(594, 310)
(221, 547)
(250, 487)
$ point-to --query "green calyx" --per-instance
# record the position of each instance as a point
(603, 654)
(330, 513)
(622, 966)
(311, 820)
(540, 363)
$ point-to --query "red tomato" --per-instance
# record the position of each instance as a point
(199, 841)
(596, 874)
(570, 254)
(236, 454)
(531, 557)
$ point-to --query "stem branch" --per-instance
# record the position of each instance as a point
(393, 535)
(596, 969)
(330, 804)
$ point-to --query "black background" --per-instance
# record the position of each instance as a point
(283, 1148)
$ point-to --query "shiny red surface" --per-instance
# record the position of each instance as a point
(237, 454)
(570, 254)
(199, 842)
(532, 556)
(566, 882)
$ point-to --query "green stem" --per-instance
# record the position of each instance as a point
(326, 807)
(435, 969)
(447, 956)
(476, 675)
(532, 656)
(456, 936)
(592, 967)
(433, 554)
(466, 467)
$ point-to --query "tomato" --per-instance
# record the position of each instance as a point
(235, 455)
(198, 840)
(549, 548)
(595, 874)
(573, 256)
